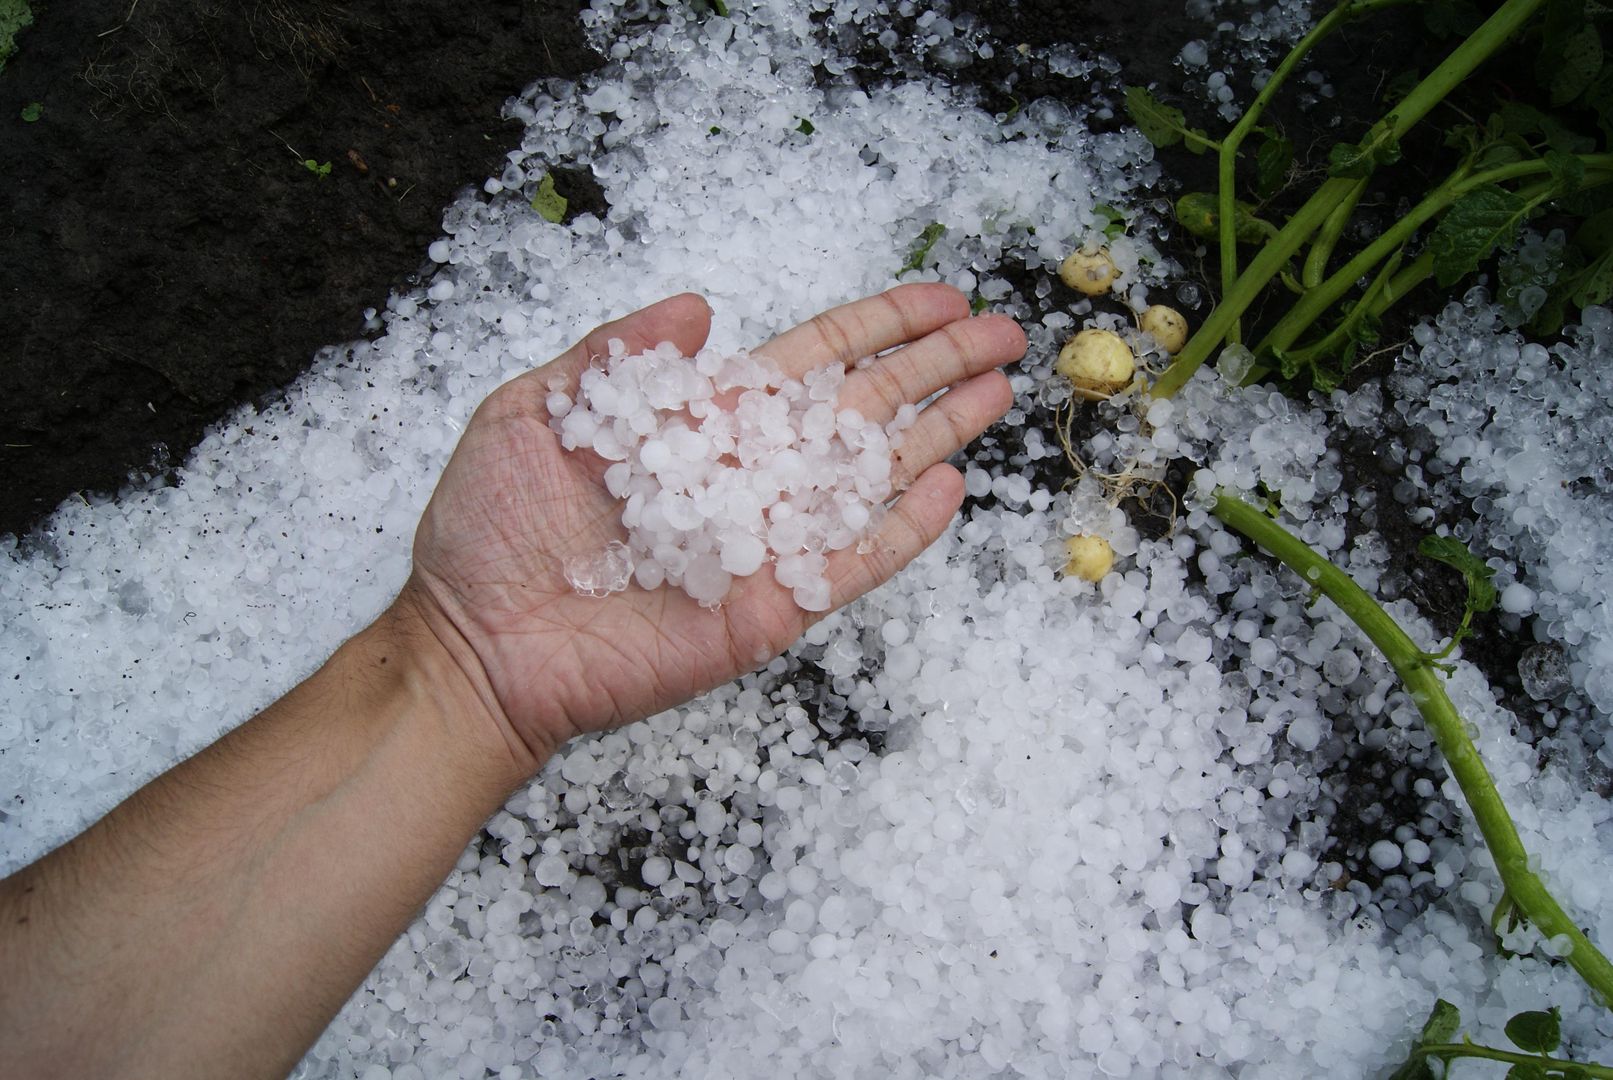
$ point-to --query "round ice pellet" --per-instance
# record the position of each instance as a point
(1385, 854)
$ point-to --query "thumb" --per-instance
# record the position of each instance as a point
(684, 320)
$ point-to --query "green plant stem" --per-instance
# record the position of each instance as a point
(1266, 265)
(1327, 238)
(1366, 307)
(1329, 292)
(1490, 36)
(1226, 184)
(1522, 884)
(1375, 304)
(1449, 1051)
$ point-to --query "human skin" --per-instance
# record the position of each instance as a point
(213, 922)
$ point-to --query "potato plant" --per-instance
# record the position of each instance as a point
(1505, 169)
(1511, 167)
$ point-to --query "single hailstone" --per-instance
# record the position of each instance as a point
(723, 466)
(1544, 672)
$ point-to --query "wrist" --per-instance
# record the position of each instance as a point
(449, 689)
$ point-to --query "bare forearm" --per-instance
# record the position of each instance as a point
(215, 921)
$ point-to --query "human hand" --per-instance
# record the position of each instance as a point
(513, 506)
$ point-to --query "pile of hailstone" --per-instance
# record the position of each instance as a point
(724, 464)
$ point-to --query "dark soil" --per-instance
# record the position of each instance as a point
(170, 256)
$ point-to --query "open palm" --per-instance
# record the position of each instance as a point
(513, 506)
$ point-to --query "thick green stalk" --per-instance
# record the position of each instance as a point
(1410, 276)
(1266, 265)
(1467, 56)
(1319, 299)
(1522, 884)
(1335, 341)
(1226, 189)
(1448, 1052)
(1399, 284)
(1328, 237)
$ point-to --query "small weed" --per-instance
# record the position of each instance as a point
(921, 248)
(1536, 1034)
(549, 203)
(316, 168)
(14, 16)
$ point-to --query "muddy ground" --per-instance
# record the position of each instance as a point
(168, 254)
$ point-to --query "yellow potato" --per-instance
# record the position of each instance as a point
(1090, 273)
(1167, 326)
(1098, 363)
(1088, 557)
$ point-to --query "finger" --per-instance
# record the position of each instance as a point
(950, 423)
(913, 524)
(848, 333)
(957, 351)
(684, 320)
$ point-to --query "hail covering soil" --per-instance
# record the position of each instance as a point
(986, 821)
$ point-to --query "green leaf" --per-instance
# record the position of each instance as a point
(1581, 63)
(1587, 202)
(1395, 91)
(1442, 1023)
(1357, 160)
(1289, 363)
(977, 305)
(1518, 118)
(1161, 124)
(1272, 161)
(1463, 137)
(1325, 379)
(549, 203)
(1479, 577)
(1451, 18)
(1365, 333)
(1472, 228)
(32, 112)
(1600, 99)
(1566, 169)
(1415, 1068)
(1199, 214)
(720, 8)
(1196, 213)
(1526, 1071)
(1440, 1028)
(1536, 1032)
(1114, 221)
(1595, 233)
(14, 15)
(1504, 151)
(805, 126)
(1570, 51)
(1594, 284)
(316, 168)
(921, 250)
